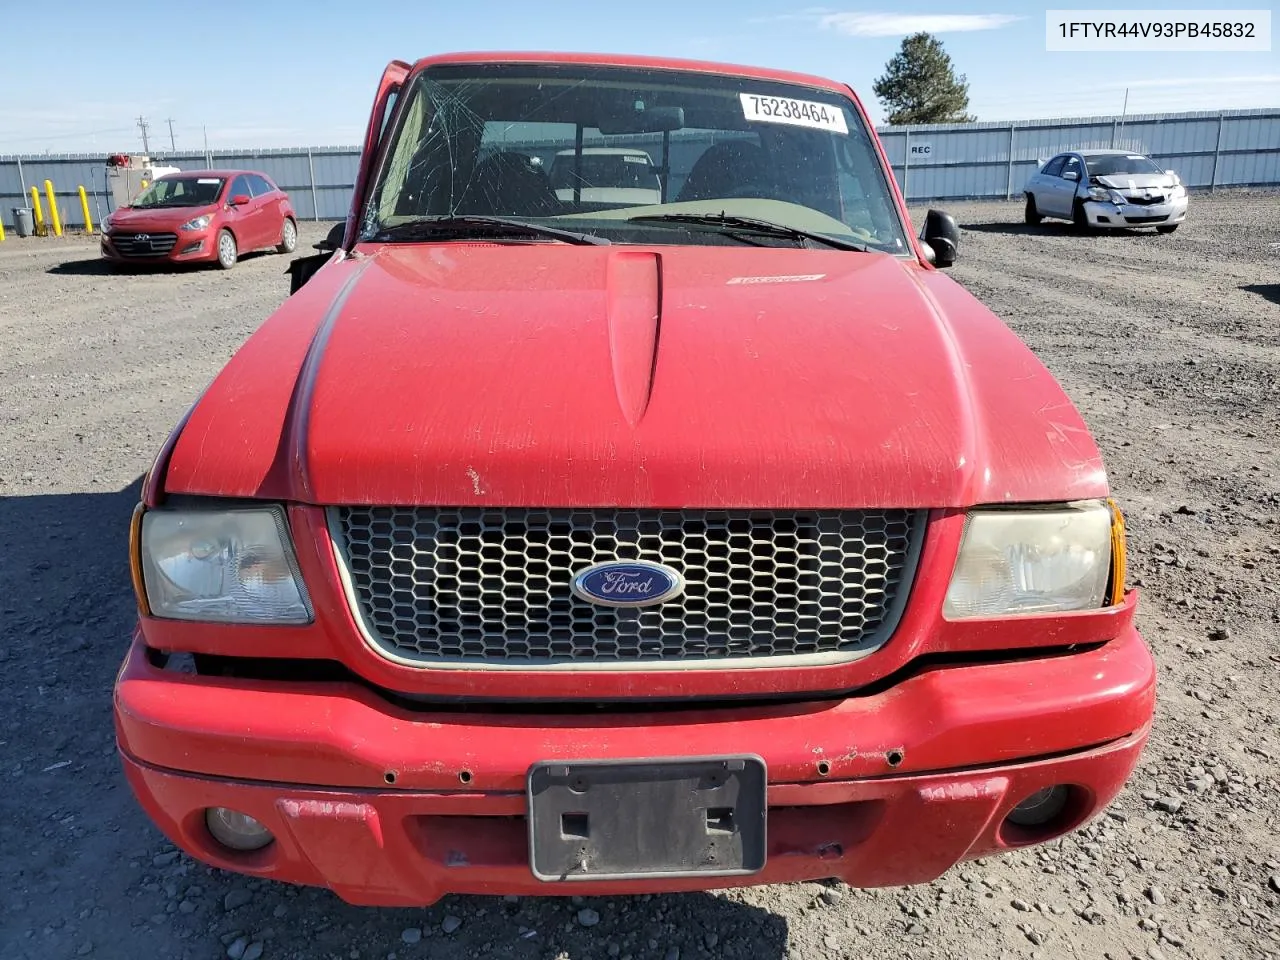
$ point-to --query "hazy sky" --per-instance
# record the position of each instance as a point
(291, 73)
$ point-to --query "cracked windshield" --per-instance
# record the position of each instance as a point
(597, 154)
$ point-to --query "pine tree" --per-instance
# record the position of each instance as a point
(920, 85)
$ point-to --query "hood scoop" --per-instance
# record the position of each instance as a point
(633, 305)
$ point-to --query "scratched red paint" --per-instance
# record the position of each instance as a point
(557, 375)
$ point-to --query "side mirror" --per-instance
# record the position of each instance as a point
(239, 200)
(333, 239)
(303, 269)
(1070, 175)
(942, 238)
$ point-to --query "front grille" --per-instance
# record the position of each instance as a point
(491, 587)
(1145, 201)
(143, 244)
(1145, 219)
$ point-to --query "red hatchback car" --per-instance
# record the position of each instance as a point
(200, 216)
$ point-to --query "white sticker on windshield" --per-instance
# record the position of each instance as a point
(799, 113)
(1134, 156)
(208, 180)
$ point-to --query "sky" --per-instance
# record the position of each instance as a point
(303, 72)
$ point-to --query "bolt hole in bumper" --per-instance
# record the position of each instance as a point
(309, 762)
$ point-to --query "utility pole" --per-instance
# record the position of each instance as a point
(144, 126)
(208, 158)
(173, 148)
(1124, 111)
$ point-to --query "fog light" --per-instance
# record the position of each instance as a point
(236, 830)
(1041, 807)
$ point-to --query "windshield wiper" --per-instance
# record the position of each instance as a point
(732, 225)
(434, 228)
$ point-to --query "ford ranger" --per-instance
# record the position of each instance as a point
(536, 545)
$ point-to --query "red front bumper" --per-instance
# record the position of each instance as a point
(884, 789)
(198, 246)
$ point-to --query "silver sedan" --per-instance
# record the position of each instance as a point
(1106, 189)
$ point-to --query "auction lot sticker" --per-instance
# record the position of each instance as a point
(1135, 31)
(799, 113)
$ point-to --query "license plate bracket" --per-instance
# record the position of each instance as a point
(647, 819)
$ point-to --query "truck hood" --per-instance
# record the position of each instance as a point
(548, 374)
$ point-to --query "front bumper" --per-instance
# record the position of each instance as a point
(1105, 215)
(882, 789)
(192, 246)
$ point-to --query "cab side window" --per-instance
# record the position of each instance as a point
(1072, 165)
(239, 187)
(261, 185)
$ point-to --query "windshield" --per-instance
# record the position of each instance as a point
(180, 192)
(588, 148)
(1119, 164)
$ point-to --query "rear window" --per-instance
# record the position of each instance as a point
(610, 170)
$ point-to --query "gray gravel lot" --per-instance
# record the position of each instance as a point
(1169, 345)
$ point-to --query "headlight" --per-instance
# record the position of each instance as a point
(1178, 191)
(1105, 195)
(1032, 561)
(199, 223)
(230, 566)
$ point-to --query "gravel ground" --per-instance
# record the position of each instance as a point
(1170, 346)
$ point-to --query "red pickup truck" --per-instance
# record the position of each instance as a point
(542, 546)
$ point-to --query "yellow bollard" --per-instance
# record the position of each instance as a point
(84, 205)
(54, 221)
(36, 212)
(1, 229)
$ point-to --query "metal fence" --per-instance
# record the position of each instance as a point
(931, 162)
(318, 179)
(1221, 148)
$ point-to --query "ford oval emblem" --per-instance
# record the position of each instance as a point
(628, 583)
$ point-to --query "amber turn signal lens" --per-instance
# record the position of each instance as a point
(135, 559)
(1118, 556)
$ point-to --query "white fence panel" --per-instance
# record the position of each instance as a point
(930, 162)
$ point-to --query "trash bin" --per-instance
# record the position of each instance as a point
(23, 225)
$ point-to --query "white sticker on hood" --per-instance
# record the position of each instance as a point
(798, 113)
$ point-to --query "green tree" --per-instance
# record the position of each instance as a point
(920, 85)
